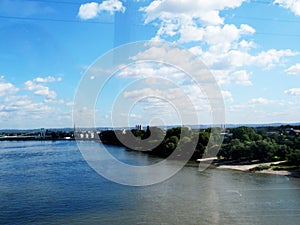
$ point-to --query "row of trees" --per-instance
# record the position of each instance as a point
(186, 142)
(243, 143)
(248, 144)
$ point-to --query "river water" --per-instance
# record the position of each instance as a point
(48, 182)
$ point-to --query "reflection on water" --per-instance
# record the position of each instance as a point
(49, 182)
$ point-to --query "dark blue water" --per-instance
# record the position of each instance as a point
(50, 183)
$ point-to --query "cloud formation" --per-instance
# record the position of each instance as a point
(19, 109)
(227, 49)
(294, 70)
(6, 88)
(242, 77)
(293, 91)
(48, 79)
(204, 11)
(293, 5)
(260, 100)
(39, 89)
(93, 9)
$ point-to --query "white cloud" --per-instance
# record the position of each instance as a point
(151, 71)
(6, 88)
(226, 35)
(195, 21)
(112, 6)
(227, 96)
(294, 70)
(228, 66)
(246, 45)
(169, 103)
(69, 103)
(93, 9)
(48, 79)
(272, 57)
(131, 115)
(293, 5)
(24, 106)
(204, 11)
(25, 111)
(224, 48)
(171, 93)
(236, 58)
(241, 77)
(260, 101)
(293, 91)
(222, 76)
(39, 89)
(88, 10)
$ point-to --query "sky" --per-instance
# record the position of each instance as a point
(47, 48)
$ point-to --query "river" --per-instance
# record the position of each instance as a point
(48, 182)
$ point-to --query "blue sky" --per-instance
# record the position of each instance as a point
(251, 47)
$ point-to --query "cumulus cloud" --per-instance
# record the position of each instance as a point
(229, 33)
(93, 9)
(235, 58)
(241, 77)
(273, 56)
(189, 28)
(6, 88)
(227, 96)
(39, 89)
(293, 91)
(21, 111)
(48, 79)
(294, 70)
(293, 5)
(24, 111)
(225, 48)
(168, 103)
(15, 103)
(152, 72)
(171, 93)
(260, 101)
(204, 11)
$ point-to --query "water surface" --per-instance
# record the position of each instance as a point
(48, 182)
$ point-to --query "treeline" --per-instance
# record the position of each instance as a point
(263, 144)
(243, 143)
(153, 140)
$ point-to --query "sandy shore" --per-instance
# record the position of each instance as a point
(246, 167)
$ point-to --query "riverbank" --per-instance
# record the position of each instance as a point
(251, 167)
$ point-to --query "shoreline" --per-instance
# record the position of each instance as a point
(247, 166)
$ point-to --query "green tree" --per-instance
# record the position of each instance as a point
(264, 150)
(245, 134)
(283, 151)
(294, 157)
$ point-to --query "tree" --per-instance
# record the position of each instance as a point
(245, 134)
(203, 138)
(169, 145)
(283, 151)
(294, 157)
(236, 149)
(264, 150)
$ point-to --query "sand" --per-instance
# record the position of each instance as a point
(242, 166)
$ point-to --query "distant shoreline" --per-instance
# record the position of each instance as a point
(243, 166)
(45, 139)
(248, 166)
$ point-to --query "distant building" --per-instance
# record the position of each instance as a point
(294, 132)
(43, 133)
(138, 127)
